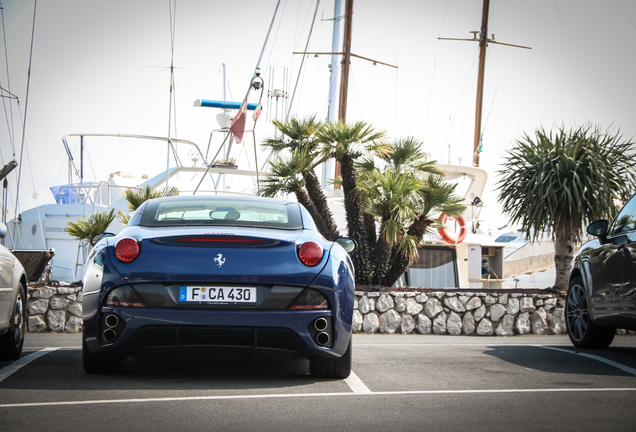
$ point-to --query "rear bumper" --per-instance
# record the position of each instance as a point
(138, 330)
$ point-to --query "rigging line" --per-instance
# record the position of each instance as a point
(260, 58)
(26, 105)
(434, 74)
(280, 24)
(10, 127)
(620, 2)
(172, 8)
(468, 79)
(17, 201)
(492, 102)
(302, 62)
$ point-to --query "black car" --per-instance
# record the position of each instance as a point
(602, 290)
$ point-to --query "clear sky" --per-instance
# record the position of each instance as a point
(103, 67)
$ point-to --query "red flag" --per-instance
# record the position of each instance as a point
(257, 112)
(237, 127)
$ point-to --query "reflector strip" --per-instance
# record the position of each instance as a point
(125, 304)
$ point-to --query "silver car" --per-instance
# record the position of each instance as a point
(13, 302)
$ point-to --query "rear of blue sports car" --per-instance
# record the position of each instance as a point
(240, 273)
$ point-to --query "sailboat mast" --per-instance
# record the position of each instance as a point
(344, 79)
(329, 165)
(483, 42)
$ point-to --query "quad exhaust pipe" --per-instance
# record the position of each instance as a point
(322, 338)
(110, 334)
(111, 321)
(321, 325)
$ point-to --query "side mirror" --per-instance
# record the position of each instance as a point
(97, 237)
(598, 228)
(347, 243)
(3, 230)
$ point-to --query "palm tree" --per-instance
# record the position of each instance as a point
(434, 196)
(136, 197)
(558, 182)
(96, 223)
(404, 195)
(299, 135)
(389, 193)
(391, 200)
(285, 178)
(345, 143)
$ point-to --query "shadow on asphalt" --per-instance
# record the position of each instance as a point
(552, 361)
(63, 370)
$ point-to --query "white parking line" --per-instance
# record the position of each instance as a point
(16, 365)
(356, 385)
(318, 395)
(593, 357)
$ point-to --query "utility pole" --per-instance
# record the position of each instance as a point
(346, 49)
(481, 36)
(346, 61)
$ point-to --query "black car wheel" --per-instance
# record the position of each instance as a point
(582, 331)
(333, 368)
(101, 363)
(12, 341)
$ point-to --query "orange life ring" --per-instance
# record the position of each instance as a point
(462, 230)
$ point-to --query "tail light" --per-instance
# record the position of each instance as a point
(124, 296)
(310, 253)
(310, 299)
(127, 249)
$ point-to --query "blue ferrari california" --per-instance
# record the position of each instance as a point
(212, 271)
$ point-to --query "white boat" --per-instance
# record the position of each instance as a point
(43, 227)
(475, 260)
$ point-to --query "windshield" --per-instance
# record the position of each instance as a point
(225, 211)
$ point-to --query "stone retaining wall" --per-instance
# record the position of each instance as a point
(58, 308)
(501, 313)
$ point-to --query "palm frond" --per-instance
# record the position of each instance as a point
(96, 223)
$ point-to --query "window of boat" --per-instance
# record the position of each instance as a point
(435, 268)
(225, 212)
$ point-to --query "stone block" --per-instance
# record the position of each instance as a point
(73, 325)
(496, 312)
(413, 307)
(389, 322)
(371, 323)
(384, 303)
(484, 328)
(38, 306)
(36, 324)
(454, 324)
(408, 324)
(424, 324)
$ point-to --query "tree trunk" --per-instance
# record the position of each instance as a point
(318, 197)
(565, 246)
(303, 199)
(355, 220)
(379, 262)
(370, 230)
(399, 263)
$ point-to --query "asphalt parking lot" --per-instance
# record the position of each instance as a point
(405, 382)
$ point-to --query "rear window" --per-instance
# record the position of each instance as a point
(214, 211)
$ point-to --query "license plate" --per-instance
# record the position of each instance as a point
(217, 295)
